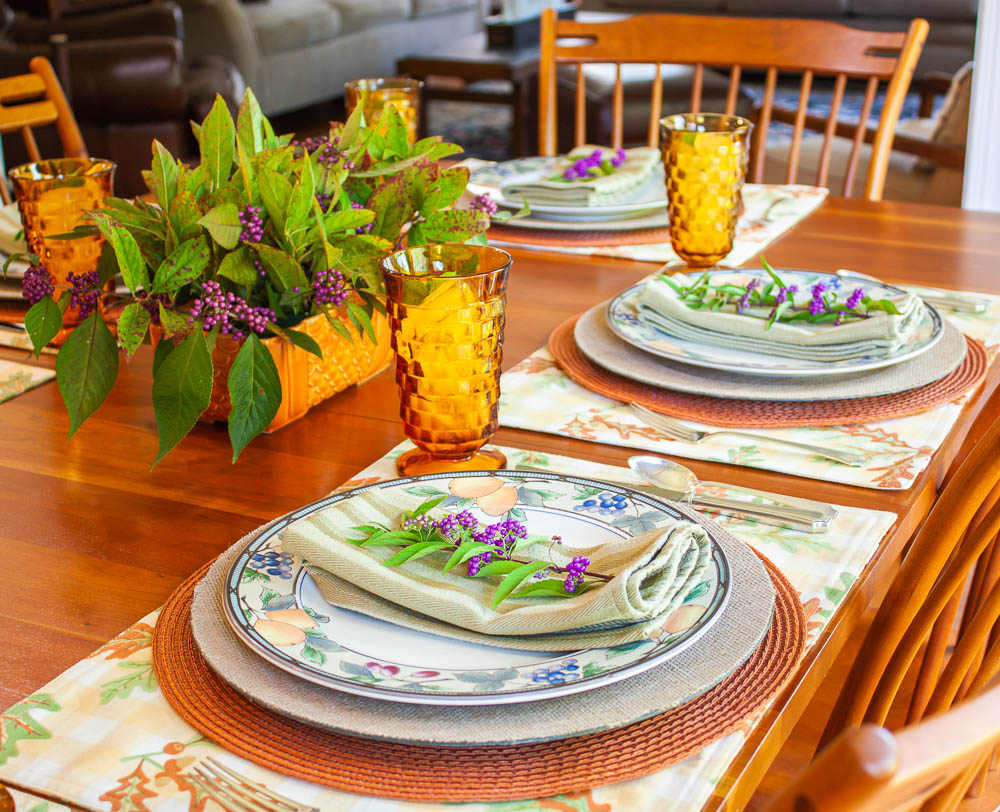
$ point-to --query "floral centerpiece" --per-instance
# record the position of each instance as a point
(264, 235)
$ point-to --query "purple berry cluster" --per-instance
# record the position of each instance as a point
(783, 293)
(855, 298)
(484, 203)
(85, 292)
(253, 226)
(502, 535)
(575, 571)
(581, 169)
(152, 305)
(330, 287)
(323, 198)
(361, 229)
(228, 312)
(818, 304)
(36, 284)
(447, 525)
(744, 300)
(259, 266)
(328, 149)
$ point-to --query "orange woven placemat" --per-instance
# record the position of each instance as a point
(562, 238)
(426, 773)
(734, 413)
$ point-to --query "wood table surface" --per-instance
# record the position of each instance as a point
(91, 539)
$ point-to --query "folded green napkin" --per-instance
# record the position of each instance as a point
(653, 573)
(880, 333)
(603, 190)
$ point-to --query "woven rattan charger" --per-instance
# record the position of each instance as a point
(733, 413)
(427, 773)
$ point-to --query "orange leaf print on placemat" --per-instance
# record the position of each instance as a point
(131, 793)
(133, 639)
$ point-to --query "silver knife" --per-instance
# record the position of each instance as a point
(807, 520)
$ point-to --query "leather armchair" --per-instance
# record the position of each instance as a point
(128, 82)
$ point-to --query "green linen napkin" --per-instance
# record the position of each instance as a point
(653, 573)
(600, 191)
(881, 333)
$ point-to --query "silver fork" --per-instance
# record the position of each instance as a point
(680, 431)
(239, 794)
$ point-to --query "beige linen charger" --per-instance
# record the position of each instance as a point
(653, 572)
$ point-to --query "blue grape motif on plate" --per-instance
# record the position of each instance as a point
(273, 562)
(605, 504)
(556, 674)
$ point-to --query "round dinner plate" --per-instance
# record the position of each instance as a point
(649, 198)
(624, 319)
(361, 655)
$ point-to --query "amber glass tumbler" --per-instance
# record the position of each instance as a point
(705, 161)
(54, 197)
(401, 93)
(446, 317)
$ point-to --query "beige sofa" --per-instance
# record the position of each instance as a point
(294, 53)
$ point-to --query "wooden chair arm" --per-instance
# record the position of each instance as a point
(943, 155)
(935, 83)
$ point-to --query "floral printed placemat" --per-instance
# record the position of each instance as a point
(769, 211)
(101, 735)
(15, 378)
(537, 395)
(19, 340)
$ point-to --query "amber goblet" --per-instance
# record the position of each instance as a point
(401, 93)
(705, 162)
(446, 317)
(53, 198)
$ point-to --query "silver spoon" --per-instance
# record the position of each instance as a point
(680, 484)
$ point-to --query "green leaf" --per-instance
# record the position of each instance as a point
(340, 327)
(778, 312)
(86, 369)
(771, 273)
(238, 266)
(550, 588)
(497, 568)
(305, 341)
(249, 124)
(185, 264)
(184, 215)
(347, 220)
(300, 202)
(466, 551)
(130, 261)
(415, 551)
(182, 389)
(223, 223)
(353, 124)
(43, 321)
(446, 190)
(428, 505)
(163, 348)
(164, 176)
(454, 225)
(255, 393)
(283, 270)
(358, 313)
(515, 578)
(275, 192)
(173, 323)
(132, 326)
(216, 139)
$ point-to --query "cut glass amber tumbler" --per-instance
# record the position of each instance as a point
(446, 318)
(705, 162)
(401, 93)
(54, 197)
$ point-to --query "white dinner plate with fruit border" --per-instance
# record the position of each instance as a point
(276, 609)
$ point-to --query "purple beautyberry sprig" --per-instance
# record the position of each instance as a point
(85, 291)
(36, 284)
(484, 203)
(253, 225)
(233, 316)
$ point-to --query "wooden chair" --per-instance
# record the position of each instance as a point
(806, 47)
(38, 100)
(914, 631)
(869, 769)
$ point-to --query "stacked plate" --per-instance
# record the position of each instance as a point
(343, 669)
(643, 208)
(621, 338)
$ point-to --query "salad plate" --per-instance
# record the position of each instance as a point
(649, 198)
(276, 609)
(625, 321)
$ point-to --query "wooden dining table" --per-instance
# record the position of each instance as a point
(92, 539)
